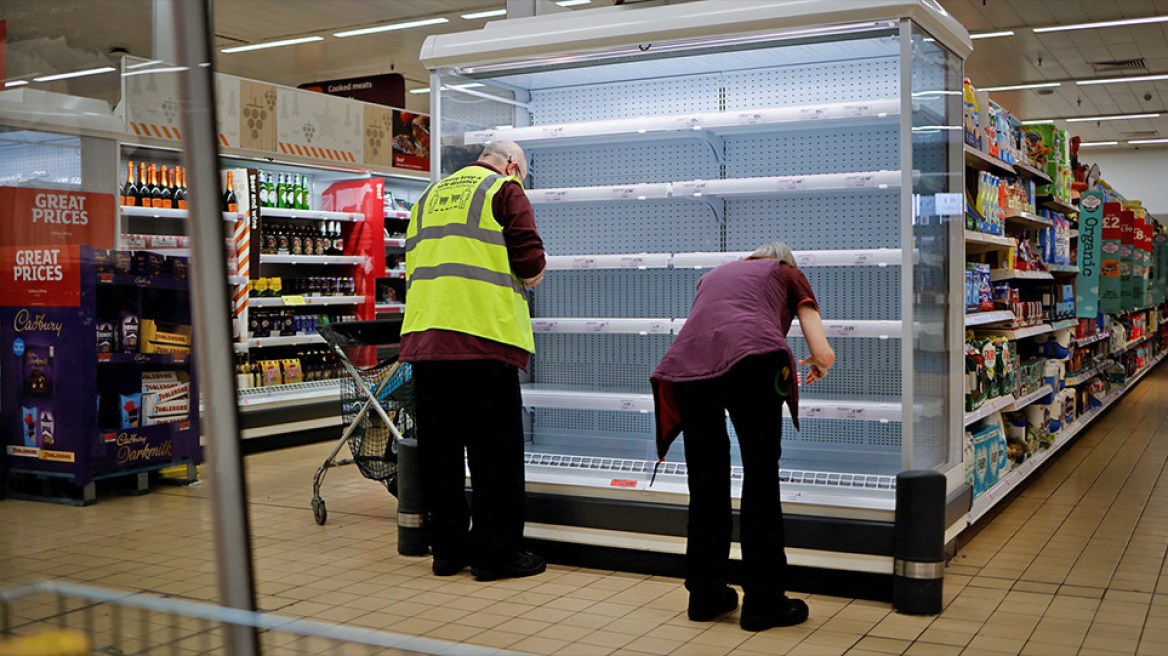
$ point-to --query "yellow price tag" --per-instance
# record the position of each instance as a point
(293, 300)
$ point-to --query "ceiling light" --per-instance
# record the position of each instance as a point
(991, 35)
(272, 44)
(1147, 141)
(15, 83)
(573, 3)
(420, 90)
(1090, 26)
(1117, 80)
(491, 13)
(1088, 144)
(391, 27)
(1019, 87)
(168, 69)
(1120, 117)
(65, 76)
(1040, 121)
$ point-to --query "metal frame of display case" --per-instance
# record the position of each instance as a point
(601, 509)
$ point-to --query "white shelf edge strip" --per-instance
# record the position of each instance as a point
(632, 402)
(720, 187)
(1031, 397)
(278, 301)
(981, 318)
(311, 259)
(168, 213)
(757, 118)
(601, 325)
(880, 257)
(288, 213)
(989, 408)
(990, 497)
(833, 328)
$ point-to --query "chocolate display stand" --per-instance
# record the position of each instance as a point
(72, 415)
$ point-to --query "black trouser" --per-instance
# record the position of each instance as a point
(476, 405)
(748, 392)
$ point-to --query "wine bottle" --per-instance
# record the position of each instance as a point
(338, 239)
(180, 188)
(155, 190)
(230, 204)
(129, 190)
(165, 193)
(143, 186)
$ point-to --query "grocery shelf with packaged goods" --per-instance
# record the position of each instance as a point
(644, 176)
(1070, 367)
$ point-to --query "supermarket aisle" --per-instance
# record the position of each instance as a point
(1075, 564)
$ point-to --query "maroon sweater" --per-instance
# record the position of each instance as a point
(525, 250)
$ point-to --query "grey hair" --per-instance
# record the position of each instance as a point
(775, 250)
(504, 150)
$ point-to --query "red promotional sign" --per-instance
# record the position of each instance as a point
(40, 276)
(1112, 228)
(56, 217)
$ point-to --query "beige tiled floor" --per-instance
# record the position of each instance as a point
(1075, 564)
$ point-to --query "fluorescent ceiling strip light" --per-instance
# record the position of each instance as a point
(991, 35)
(1091, 26)
(391, 27)
(491, 13)
(1020, 87)
(1118, 80)
(1084, 119)
(420, 90)
(1146, 141)
(65, 76)
(573, 3)
(1040, 121)
(1088, 144)
(272, 44)
(15, 83)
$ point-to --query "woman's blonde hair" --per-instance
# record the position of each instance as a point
(776, 250)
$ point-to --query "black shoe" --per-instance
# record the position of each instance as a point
(523, 564)
(787, 612)
(448, 567)
(708, 606)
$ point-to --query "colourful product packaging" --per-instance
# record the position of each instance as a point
(105, 337)
(130, 331)
(28, 426)
(46, 429)
(38, 370)
(131, 409)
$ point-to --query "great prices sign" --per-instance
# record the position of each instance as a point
(55, 217)
(44, 276)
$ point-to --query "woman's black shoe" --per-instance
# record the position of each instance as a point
(707, 606)
(787, 612)
(523, 564)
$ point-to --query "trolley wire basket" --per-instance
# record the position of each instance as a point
(65, 619)
(377, 402)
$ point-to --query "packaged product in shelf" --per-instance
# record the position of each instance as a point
(272, 374)
(28, 425)
(970, 116)
(128, 332)
(991, 382)
(1038, 419)
(1019, 444)
(291, 371)
(165, 337)
(968, 457)
(131, 406)
(975, 393)
(1055, 374)
(1045, 144)
(989, 446)
(1008, 363)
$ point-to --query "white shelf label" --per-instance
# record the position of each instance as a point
(694, 187)
(788, 497)
(838, 330)
(583, 263)
(551, 131)
(659, 327)
(859, 109)
(949, 204)
(859, 181)
(862, 258)
(689, 122)
(628, 404)
(623, 193)
(555, 195)
(633, 261)
(813, 411)
(811, 113)
(805, 259)
(792, 184)
(749, 118)
(543, 325)
(596, 326)
(848, 412)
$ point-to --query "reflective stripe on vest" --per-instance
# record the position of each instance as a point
(458, 270)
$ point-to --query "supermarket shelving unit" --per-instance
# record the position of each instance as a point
(741, 124)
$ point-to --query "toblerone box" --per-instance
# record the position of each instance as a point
(154, 339)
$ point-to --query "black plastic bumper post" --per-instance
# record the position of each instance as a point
(918, 550)
(411, 506)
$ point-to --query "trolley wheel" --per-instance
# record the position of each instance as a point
(319, 512)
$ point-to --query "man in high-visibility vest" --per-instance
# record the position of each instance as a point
(471, 251)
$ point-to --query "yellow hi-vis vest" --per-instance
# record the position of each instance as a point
(458, 274)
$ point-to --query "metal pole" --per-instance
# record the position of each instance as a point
(211, 303)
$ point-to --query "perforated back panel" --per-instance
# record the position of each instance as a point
(57, 163)
(599, 362)
(864, 370)
(671, 95)
(867, 293)
(645, 227)
(842, 81)
(659, 293)
(817, 151)
(622, 164)
(872, 223)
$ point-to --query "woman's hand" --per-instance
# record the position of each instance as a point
(818, 369)
(822, 356)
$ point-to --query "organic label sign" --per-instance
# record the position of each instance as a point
(1090, 243)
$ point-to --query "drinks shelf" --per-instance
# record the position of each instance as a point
(390, 308)
(292, 394)
(395, 242)
(286, 340)
(395, 273)
(169, 213)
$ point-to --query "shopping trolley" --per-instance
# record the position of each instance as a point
(377, 402)
(69, 619)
